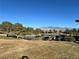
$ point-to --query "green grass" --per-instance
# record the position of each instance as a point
(15, 49)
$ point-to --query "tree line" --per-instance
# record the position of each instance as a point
(18, 28)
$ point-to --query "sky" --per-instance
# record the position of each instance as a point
(40, 13)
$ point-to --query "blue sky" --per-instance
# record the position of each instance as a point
(40, 13)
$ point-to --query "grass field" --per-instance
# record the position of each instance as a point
(15, 49)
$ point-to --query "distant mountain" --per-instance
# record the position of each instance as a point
(55, 27)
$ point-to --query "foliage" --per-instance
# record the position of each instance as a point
(17, 28)
(74, 31)
(6, 26)
(37, 31)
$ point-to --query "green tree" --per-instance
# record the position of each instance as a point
(78, 32)
(30, 30)
(1, 29)
(74, 31)
(6, 26)
(24, 31)
(17, 28)
(38, 31)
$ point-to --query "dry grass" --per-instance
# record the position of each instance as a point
(14, 49)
